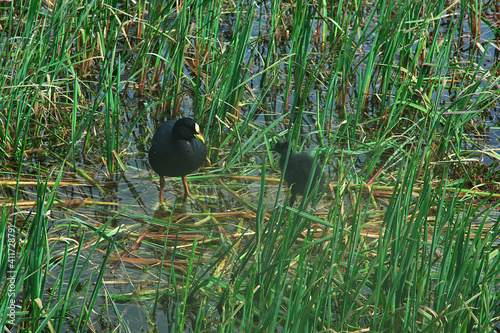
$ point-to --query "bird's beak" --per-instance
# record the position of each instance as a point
(199, 137)
(198, 133)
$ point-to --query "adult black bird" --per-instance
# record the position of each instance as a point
(177, 149)
(297, 170)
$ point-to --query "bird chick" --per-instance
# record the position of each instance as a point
(298, 169)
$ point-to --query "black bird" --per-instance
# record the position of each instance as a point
(177, 149)
(297, 170)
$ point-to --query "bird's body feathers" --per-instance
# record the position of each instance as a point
(297, 171)
(173, 157)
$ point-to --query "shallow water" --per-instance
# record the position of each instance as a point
(128, 200)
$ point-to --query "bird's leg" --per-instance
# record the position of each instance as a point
(162, 185)
(292, 199)
(186, 188)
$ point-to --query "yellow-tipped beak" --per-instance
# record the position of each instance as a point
(199, 137)
(198, 133)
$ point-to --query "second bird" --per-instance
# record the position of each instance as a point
(177, 149)
(297, 170)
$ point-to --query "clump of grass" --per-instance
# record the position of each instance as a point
(47, 269)
(397, 86)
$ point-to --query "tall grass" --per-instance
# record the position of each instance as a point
(37, 272)
(394, 91)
